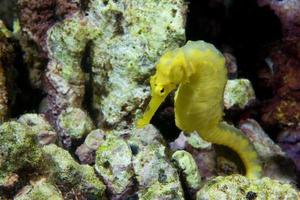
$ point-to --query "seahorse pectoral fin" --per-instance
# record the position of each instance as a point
(153, 105)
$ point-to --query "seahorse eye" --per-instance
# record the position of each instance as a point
(162, 90)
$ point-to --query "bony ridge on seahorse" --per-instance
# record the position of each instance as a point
(198, 71)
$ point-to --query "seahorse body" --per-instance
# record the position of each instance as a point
(198, 70)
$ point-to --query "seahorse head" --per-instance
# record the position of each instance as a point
(169, 74)
(170, 69)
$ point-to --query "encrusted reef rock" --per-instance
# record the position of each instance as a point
(44, 132)
(16, 139)
(39, 190)
(239, 187)
(156, 176)
(136, 33)
(113, 163)
(104, 50)
(87, 151)
(73, 125)
(274, 160)
(65, 79)
(202, 151)
(287, 11)
(189, 169)
(26, 147)
(6, 66)
(238, 93)
(74, 180)
(284, 108)
(36, 18)
(135, 163)
(283, 71)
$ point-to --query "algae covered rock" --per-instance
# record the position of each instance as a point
(73, 124)
(39, 190)
(239, 187)
(6, 66)
(18, 149)
(157, 177)
(135, 34)
(113, 164)
(67, 41)
(195, 141)
(186, 163)
(40, 126)
(238, 93)
(110, 47)
(87, 151)
(203, 152)
(162, 192)
(73, 179)
(135, 163)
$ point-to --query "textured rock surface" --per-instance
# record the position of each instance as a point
(189, 169)
(288, 140)
(40, 126)
(136, 33)
(73, 125)
(239, 187)
(18, 150)
(73, 179)
(202, 151)
(39, 190)
(136, 163)
(86, 151)
(113, 164)
(6, 62)
(287, 11)
(119, 40)
(283, 72)
(238, 93)
(156, 176)
(64, 78)
(36, 18)
(274, 160)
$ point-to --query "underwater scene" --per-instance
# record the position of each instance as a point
(149, 99)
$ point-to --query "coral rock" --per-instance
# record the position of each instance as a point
(40, 126)
(39, 190)
(202, 151)
(17, 139)
(39, 15)
(86, 151)
(64, 78)
(274, 160)
(135, 34)
(74, 180)
(238, 93)
(239, 187)
(113, 164)
(188, 167)
(156, 176)
(73, 124)
(6, 66)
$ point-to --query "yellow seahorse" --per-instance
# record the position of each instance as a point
(198, 71)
